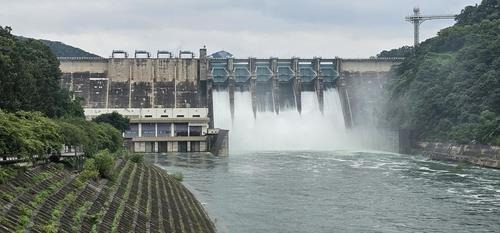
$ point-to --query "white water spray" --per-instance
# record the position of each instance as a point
(287, 130)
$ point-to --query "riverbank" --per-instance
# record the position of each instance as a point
(140, 198)
(481, 155)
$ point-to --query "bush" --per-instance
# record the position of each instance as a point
(6, 172)
(178, 176)
(137, 158)
(104, 163)
(89, 171)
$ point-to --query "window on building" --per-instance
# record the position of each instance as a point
(195, 130)
(148, 130)
(181, 129)
(180, 115)
(133, 131)
(196, 115)
(164, 129)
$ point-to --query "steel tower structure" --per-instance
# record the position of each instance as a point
(416, 19)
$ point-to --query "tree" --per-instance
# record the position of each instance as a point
(115, 119)
(30, 78)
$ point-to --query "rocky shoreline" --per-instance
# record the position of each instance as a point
(477, 154)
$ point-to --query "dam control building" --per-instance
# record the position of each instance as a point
(168, 98)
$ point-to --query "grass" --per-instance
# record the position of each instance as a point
(79, 214)
(52, 226)
(42, 176)
(97, 218)
(27, 211)
(126, 195)
(6, 172)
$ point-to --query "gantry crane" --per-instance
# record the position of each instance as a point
(416, 19)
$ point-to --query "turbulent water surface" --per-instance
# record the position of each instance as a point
(340, 191)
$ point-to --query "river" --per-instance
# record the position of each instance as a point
(339, 191)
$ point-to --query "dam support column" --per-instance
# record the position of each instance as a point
(318, 84)
(231, 85)
(275, 85)
(206, 82)
(296, 84)
(344, 96)
(253, 86)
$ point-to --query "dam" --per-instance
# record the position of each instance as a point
(175, 101)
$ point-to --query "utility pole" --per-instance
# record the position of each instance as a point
(416, 19)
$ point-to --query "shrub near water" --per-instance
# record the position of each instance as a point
(137, 158)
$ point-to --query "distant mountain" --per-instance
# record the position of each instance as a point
(61, 49)
(64, 50)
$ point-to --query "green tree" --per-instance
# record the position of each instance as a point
(30, 77)
(115, 119)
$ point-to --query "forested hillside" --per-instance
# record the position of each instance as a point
(64, 50)
(450, 89)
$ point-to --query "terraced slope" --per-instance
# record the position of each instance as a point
(142, 198)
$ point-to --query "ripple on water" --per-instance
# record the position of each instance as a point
(348, 192)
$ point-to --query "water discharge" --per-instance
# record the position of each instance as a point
(288, 130)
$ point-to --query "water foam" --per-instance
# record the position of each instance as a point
(287, 130)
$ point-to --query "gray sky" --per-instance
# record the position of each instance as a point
(260, 28)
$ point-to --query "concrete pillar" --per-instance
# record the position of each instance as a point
(203, 146)
(231, 85)
(203, 90)
(297, 87)
(318, 85)
(275, 85)
(188, 146)
(155, 148)
(344, 95)
(175, 147)
(139, 128)
(172, 130)
(153, 72)
(253, 84)
(170, 147)
(210, 101)
(130, 87)
(156, 129)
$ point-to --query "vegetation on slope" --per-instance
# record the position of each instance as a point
(450, 88)
(141, 198)
(404, 51)
(63, 50)
(24, 134)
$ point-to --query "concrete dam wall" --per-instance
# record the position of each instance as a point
(133, 83)
(273, 83)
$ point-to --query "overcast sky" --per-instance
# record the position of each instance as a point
(260, 28)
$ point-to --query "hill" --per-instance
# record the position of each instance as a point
(449, 90)
(63, 50)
